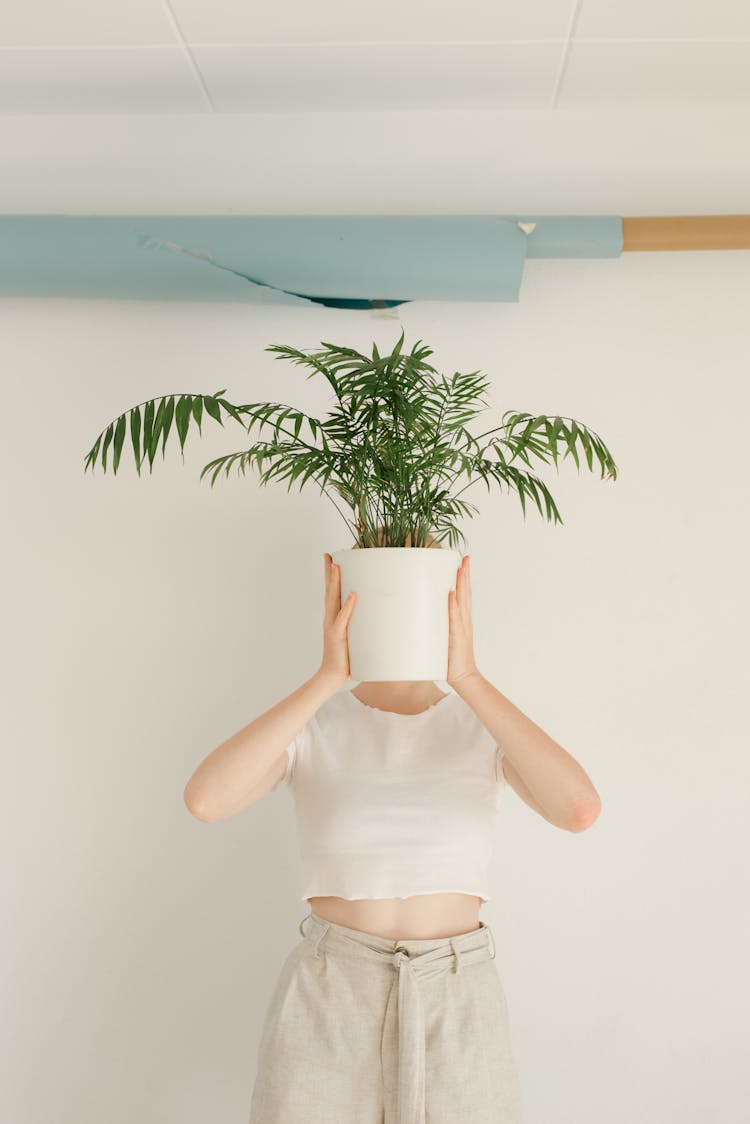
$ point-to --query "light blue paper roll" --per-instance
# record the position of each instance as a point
(350, 261)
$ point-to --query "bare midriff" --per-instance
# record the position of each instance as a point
(420, 917)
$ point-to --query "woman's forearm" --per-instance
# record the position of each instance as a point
(223, 782)
(556, 781)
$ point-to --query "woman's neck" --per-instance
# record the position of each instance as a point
(405, 696)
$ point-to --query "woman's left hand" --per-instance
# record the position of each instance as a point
(461, 660)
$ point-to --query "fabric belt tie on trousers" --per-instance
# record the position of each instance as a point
(404, 1005)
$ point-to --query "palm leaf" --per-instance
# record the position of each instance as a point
(392, 448)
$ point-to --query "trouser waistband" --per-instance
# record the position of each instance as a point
(460, 947)
(404, 1009)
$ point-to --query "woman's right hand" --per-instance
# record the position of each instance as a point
(335, 662)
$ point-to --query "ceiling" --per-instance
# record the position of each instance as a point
(148, 57)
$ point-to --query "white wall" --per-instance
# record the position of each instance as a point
(146, 620)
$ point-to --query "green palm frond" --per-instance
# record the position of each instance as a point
(391, 449)
(155, 425)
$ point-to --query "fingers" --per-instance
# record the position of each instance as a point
(457, 592)
(462, 593)
(335, 612)
(333, 588)
(346, 609)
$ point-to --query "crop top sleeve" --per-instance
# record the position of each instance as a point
(291, 756)
(291, 753)
(499, 774)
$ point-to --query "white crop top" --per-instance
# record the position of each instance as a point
(389, 805)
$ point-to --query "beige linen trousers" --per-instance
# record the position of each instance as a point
(361, 1029)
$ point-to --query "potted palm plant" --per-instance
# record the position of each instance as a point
(392, 450)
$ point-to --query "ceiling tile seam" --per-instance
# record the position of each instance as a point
(185, 44)
(187, 53)
(565, 53)
(606, 40)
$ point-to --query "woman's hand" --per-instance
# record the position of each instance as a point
(461, 660)
(335, 662)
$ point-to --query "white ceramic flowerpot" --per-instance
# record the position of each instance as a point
(399, 627)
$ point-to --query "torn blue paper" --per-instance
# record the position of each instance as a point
(351, 261)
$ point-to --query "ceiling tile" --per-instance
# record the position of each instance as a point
(308, 78)
(158, 80)
(665, 75)
(667, 19)
(80, 23)
(388, 21)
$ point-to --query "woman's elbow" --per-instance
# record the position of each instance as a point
(196, 804)
(584, 813)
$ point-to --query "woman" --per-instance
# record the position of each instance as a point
(390, 1009)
